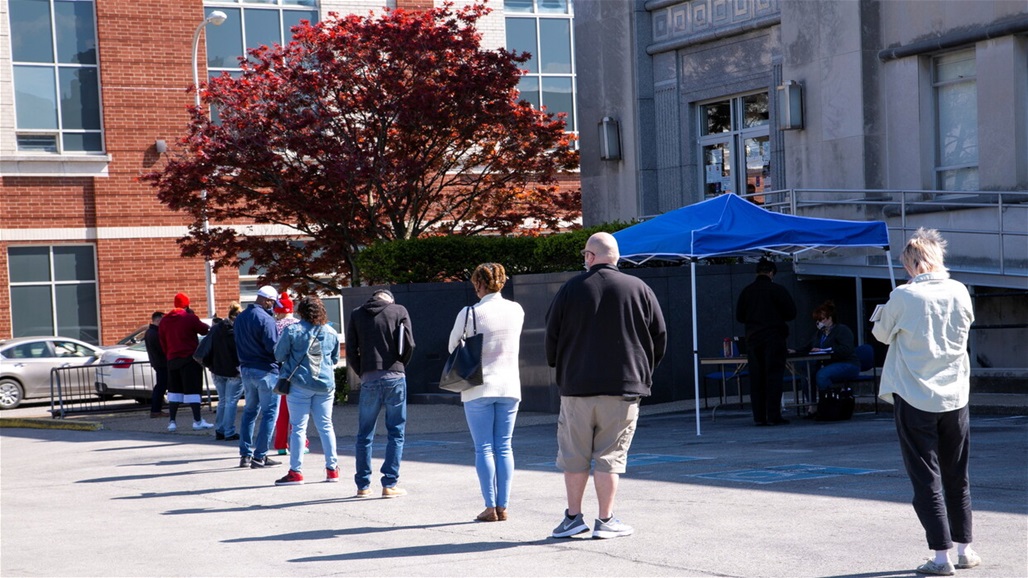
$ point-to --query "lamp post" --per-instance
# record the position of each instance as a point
(216, 18)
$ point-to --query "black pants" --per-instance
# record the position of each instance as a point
(160, 387)
(766, 359)
(935, 449)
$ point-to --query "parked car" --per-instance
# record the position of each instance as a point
(25, 364)
(125, 369)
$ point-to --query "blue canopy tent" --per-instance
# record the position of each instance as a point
(730, 226)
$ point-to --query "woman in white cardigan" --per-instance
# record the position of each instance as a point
(492, 407)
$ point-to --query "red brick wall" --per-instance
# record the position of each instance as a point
(146, 67)
(140, 276)
(415, 4)
(32, 203)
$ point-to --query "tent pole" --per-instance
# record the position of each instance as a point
(888, 263)
(695, 341)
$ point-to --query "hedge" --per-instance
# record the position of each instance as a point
(453, 258)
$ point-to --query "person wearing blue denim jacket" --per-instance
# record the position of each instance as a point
(379, 343)
(308, 352)
(255, 345)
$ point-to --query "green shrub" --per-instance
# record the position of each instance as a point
(453, 258)
(342, 385)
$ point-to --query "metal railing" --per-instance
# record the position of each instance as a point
(987, 230)
(81, 389)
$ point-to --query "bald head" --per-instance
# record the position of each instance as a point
(605, 248)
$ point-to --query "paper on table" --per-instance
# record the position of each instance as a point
(877, 313)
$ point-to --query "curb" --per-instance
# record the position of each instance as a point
(37, 423)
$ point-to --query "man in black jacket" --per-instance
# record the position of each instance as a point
(764, 308)
(605, 334)
(379, 343)
(223, 362)
(159, 364)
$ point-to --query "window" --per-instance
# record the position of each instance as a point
(544, 29)
(56, 77)
(956, 120)
(735, 147)
(251, 24)
(54, 291)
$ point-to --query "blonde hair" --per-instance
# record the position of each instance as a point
(924, 252)
(234, 308)
(490, 276)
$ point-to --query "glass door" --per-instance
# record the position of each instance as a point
(735, 146)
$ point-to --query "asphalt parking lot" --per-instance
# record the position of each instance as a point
(806, 499)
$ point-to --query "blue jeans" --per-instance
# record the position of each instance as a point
(258, 386)
(491, 421)
(829, 374)
(230, 389)
(304, 403)
(391, 394)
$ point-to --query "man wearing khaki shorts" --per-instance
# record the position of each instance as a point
(605, 335)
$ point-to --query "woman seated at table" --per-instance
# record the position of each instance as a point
(835, 339)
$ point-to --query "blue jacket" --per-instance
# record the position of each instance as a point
(255, 339)
(314, 362)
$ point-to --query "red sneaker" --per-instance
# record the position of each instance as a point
(331, 475)
(293, 478)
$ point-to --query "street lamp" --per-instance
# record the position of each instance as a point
(215, 18)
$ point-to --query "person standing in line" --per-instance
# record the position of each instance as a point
(379, 343)
(927, 377)
(605, 335)
(255, 345)
(838, 341)
(283, 310)
(177, 334)
(159, 363)
(492, 407)
(224, 366)
(764, 308)
(311, 347)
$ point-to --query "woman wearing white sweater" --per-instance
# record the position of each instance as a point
(492, 407)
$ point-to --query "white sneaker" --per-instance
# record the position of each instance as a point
(202, 424)
(613, 528)
(172, 426)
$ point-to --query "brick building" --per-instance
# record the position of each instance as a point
(90, 93)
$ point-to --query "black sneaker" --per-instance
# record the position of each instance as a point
(266, 462)
(245, 461)
(232, 438)
(219, 436)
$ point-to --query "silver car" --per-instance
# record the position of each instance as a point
(25, 364)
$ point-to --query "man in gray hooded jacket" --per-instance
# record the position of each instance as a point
(379, 343)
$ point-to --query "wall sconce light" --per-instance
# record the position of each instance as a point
(790, 105)
(610, 139)
(161, 146)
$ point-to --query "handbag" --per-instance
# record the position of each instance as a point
(463, 368)
(283, 384)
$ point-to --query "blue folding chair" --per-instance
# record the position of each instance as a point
(866, 354)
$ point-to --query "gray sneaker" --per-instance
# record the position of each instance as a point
(570, 526)
(613, 528)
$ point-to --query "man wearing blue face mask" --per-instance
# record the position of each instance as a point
(256, 336)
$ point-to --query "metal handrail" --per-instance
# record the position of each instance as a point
(998, 218)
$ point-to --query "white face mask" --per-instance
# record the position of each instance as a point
(820, 324)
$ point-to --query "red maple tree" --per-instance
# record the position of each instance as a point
(364, 129)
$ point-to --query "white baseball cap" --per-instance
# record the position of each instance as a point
(268, 292)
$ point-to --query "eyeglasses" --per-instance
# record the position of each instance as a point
(584, 251)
